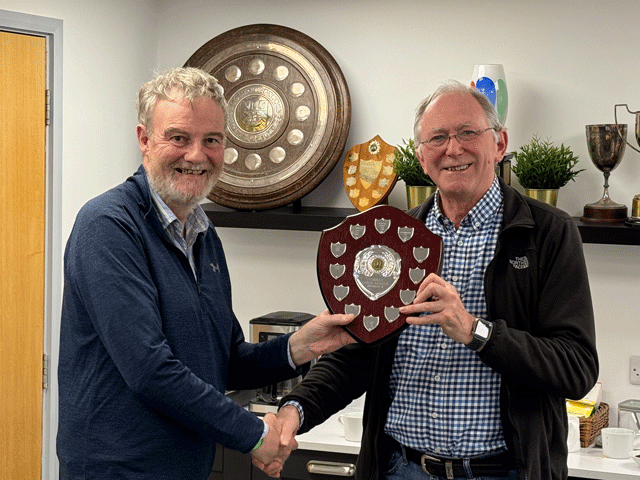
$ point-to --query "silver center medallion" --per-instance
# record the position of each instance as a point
(257, 113)
(376, 270)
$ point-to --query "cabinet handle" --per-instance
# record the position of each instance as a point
(331, 468)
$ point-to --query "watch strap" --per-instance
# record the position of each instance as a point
(475, 344)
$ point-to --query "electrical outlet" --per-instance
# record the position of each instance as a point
(634, 370)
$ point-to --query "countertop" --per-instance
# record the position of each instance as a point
(587, 462)
(329, 436)
(591, 463)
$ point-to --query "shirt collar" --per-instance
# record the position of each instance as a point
(481, 212)
(197, 218)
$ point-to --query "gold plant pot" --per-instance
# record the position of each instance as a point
(546, 195)
(416, 195)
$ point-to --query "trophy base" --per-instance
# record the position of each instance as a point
(595, 213)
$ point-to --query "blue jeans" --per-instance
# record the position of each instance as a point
(402, 469)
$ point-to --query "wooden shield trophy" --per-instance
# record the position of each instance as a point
(368, 173)
(372, 264)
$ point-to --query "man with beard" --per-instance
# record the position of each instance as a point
(149, 342)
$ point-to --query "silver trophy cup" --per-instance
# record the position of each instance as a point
(606, 144)
(634, 219)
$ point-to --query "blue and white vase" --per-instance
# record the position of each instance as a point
(490, 80)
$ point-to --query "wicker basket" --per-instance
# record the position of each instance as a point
(590, 427)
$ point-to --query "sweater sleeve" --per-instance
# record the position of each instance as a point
(334, 381)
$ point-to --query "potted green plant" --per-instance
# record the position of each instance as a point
(408, 169)
(542, 168)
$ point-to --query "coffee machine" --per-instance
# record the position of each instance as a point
(265, 328)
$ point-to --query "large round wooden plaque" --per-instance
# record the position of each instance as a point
(288, 115)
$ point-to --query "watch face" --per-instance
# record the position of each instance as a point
(482, 330)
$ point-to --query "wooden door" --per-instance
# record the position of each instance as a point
(22, 253)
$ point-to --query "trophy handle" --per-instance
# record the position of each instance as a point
(615, 116)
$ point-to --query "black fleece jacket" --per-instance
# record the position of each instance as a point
(542, 344)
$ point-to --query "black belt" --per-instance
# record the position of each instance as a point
(492, 466)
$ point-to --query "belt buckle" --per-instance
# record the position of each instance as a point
(448, 465)
(424, 464)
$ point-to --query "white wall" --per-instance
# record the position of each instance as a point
(567, 63)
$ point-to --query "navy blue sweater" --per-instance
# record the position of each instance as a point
(147, 351)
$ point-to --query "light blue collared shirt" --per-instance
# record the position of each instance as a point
(197, 222)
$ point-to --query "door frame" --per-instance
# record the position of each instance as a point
(51, 29)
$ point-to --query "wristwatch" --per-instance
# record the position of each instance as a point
(481, 331)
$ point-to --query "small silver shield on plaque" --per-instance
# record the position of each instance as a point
(407, 296)
(340, 292)
(391, 314)
(338, 249)
(420, 253)
(376, 270)
(353, 309)
(357, 231)
(370, 322)
(405, 233)
(382, 225)
(336, 270)
(416, 274)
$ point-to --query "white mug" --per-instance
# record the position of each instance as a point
(352, 422)
(619, 442)
(573, 433)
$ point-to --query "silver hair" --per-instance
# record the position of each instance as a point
(193, 83)
(455, 86)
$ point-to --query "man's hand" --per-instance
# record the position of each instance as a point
(442, 301)
(271, 455)
(323, 334)
(289, 421)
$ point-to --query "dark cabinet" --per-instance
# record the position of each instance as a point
(230, 465)
(301, 465)
(314, 465)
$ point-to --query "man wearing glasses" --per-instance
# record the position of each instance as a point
(475, 387)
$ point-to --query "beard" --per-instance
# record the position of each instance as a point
(175, 195)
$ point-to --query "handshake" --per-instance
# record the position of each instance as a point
(279, 442)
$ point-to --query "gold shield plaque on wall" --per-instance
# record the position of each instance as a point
(368, 173)
(288, 114)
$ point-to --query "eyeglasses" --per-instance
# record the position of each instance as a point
(463, 136)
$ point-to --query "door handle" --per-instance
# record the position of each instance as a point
(338, 469)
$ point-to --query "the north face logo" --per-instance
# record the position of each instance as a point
(520, 263)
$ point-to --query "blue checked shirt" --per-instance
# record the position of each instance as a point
(445, 400)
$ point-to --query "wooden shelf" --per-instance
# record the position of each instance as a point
(289, 217)
(316, 219)
(612, 233)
